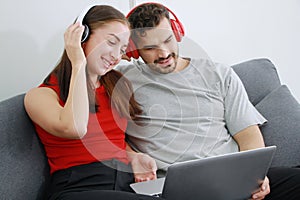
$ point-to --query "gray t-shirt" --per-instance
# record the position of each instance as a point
(189, 114)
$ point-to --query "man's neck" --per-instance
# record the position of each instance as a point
(182, 63)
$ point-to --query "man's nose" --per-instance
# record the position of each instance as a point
(162, 52)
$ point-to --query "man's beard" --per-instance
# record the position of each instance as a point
(155, 65)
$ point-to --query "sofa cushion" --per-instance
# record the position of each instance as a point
(23, 164)
(282, 111)
(259, 77)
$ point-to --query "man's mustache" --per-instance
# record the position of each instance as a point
(162, 59)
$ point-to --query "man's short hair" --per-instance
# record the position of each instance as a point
(145, 17)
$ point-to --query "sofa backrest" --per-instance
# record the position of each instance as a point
(24, 171)
(259, 77)
(277, 104)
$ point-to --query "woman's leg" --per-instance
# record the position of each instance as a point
(105, 195)
(95, 181)
(94, 176)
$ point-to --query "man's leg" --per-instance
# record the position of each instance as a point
(284, 183)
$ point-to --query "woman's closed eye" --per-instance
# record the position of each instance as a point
(112, 42)
(149, 48)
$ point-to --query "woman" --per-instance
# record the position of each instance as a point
(81, 110)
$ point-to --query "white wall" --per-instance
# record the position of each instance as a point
(230, 31)
(31, 39)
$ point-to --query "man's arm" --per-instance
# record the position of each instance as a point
(251, 138)
(143, 166)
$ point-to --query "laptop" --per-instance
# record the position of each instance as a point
(231, 176)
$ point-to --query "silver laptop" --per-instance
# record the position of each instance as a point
(231, 176)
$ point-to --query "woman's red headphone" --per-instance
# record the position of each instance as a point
(176, 25)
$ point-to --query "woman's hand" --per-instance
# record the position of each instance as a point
(73, 47)
(144, 167)
(264, 190)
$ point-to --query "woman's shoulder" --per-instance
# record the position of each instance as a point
(43, 93)
(51, 82)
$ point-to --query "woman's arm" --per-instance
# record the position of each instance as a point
(42, 104)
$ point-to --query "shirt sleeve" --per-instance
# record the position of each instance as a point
(239, 111)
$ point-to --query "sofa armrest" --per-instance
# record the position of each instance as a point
(23, 165)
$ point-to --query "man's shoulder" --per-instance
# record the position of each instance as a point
(131, 71)
(210, 66)
(124, 67)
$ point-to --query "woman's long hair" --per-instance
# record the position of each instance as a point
(118, 88)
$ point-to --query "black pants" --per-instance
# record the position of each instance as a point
(111, 181)
(107, 180)
(284, 183)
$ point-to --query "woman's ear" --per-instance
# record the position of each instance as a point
(83, 45)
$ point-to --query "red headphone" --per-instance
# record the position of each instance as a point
(176, 26)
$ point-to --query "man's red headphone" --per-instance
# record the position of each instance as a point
(176, 25)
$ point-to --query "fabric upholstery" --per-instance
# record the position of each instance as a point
(282, 111)
(259, 77)
(23, 165)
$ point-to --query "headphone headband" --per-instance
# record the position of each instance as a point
(80, 18)
(83, 13)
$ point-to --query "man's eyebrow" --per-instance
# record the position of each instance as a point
(149, 46)
(169, 38)
(115, 36)
(154, 46)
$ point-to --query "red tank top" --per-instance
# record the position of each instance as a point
(104, 140)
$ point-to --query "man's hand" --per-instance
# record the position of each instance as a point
(264, 190)
(144, 167)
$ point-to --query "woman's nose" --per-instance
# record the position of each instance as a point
(115, 54)
(115, 57)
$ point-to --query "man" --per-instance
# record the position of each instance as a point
(193, 108)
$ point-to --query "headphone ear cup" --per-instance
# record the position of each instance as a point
(177, 29)
(131, 50)
(85, 33)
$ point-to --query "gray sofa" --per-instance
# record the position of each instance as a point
(24, 172)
